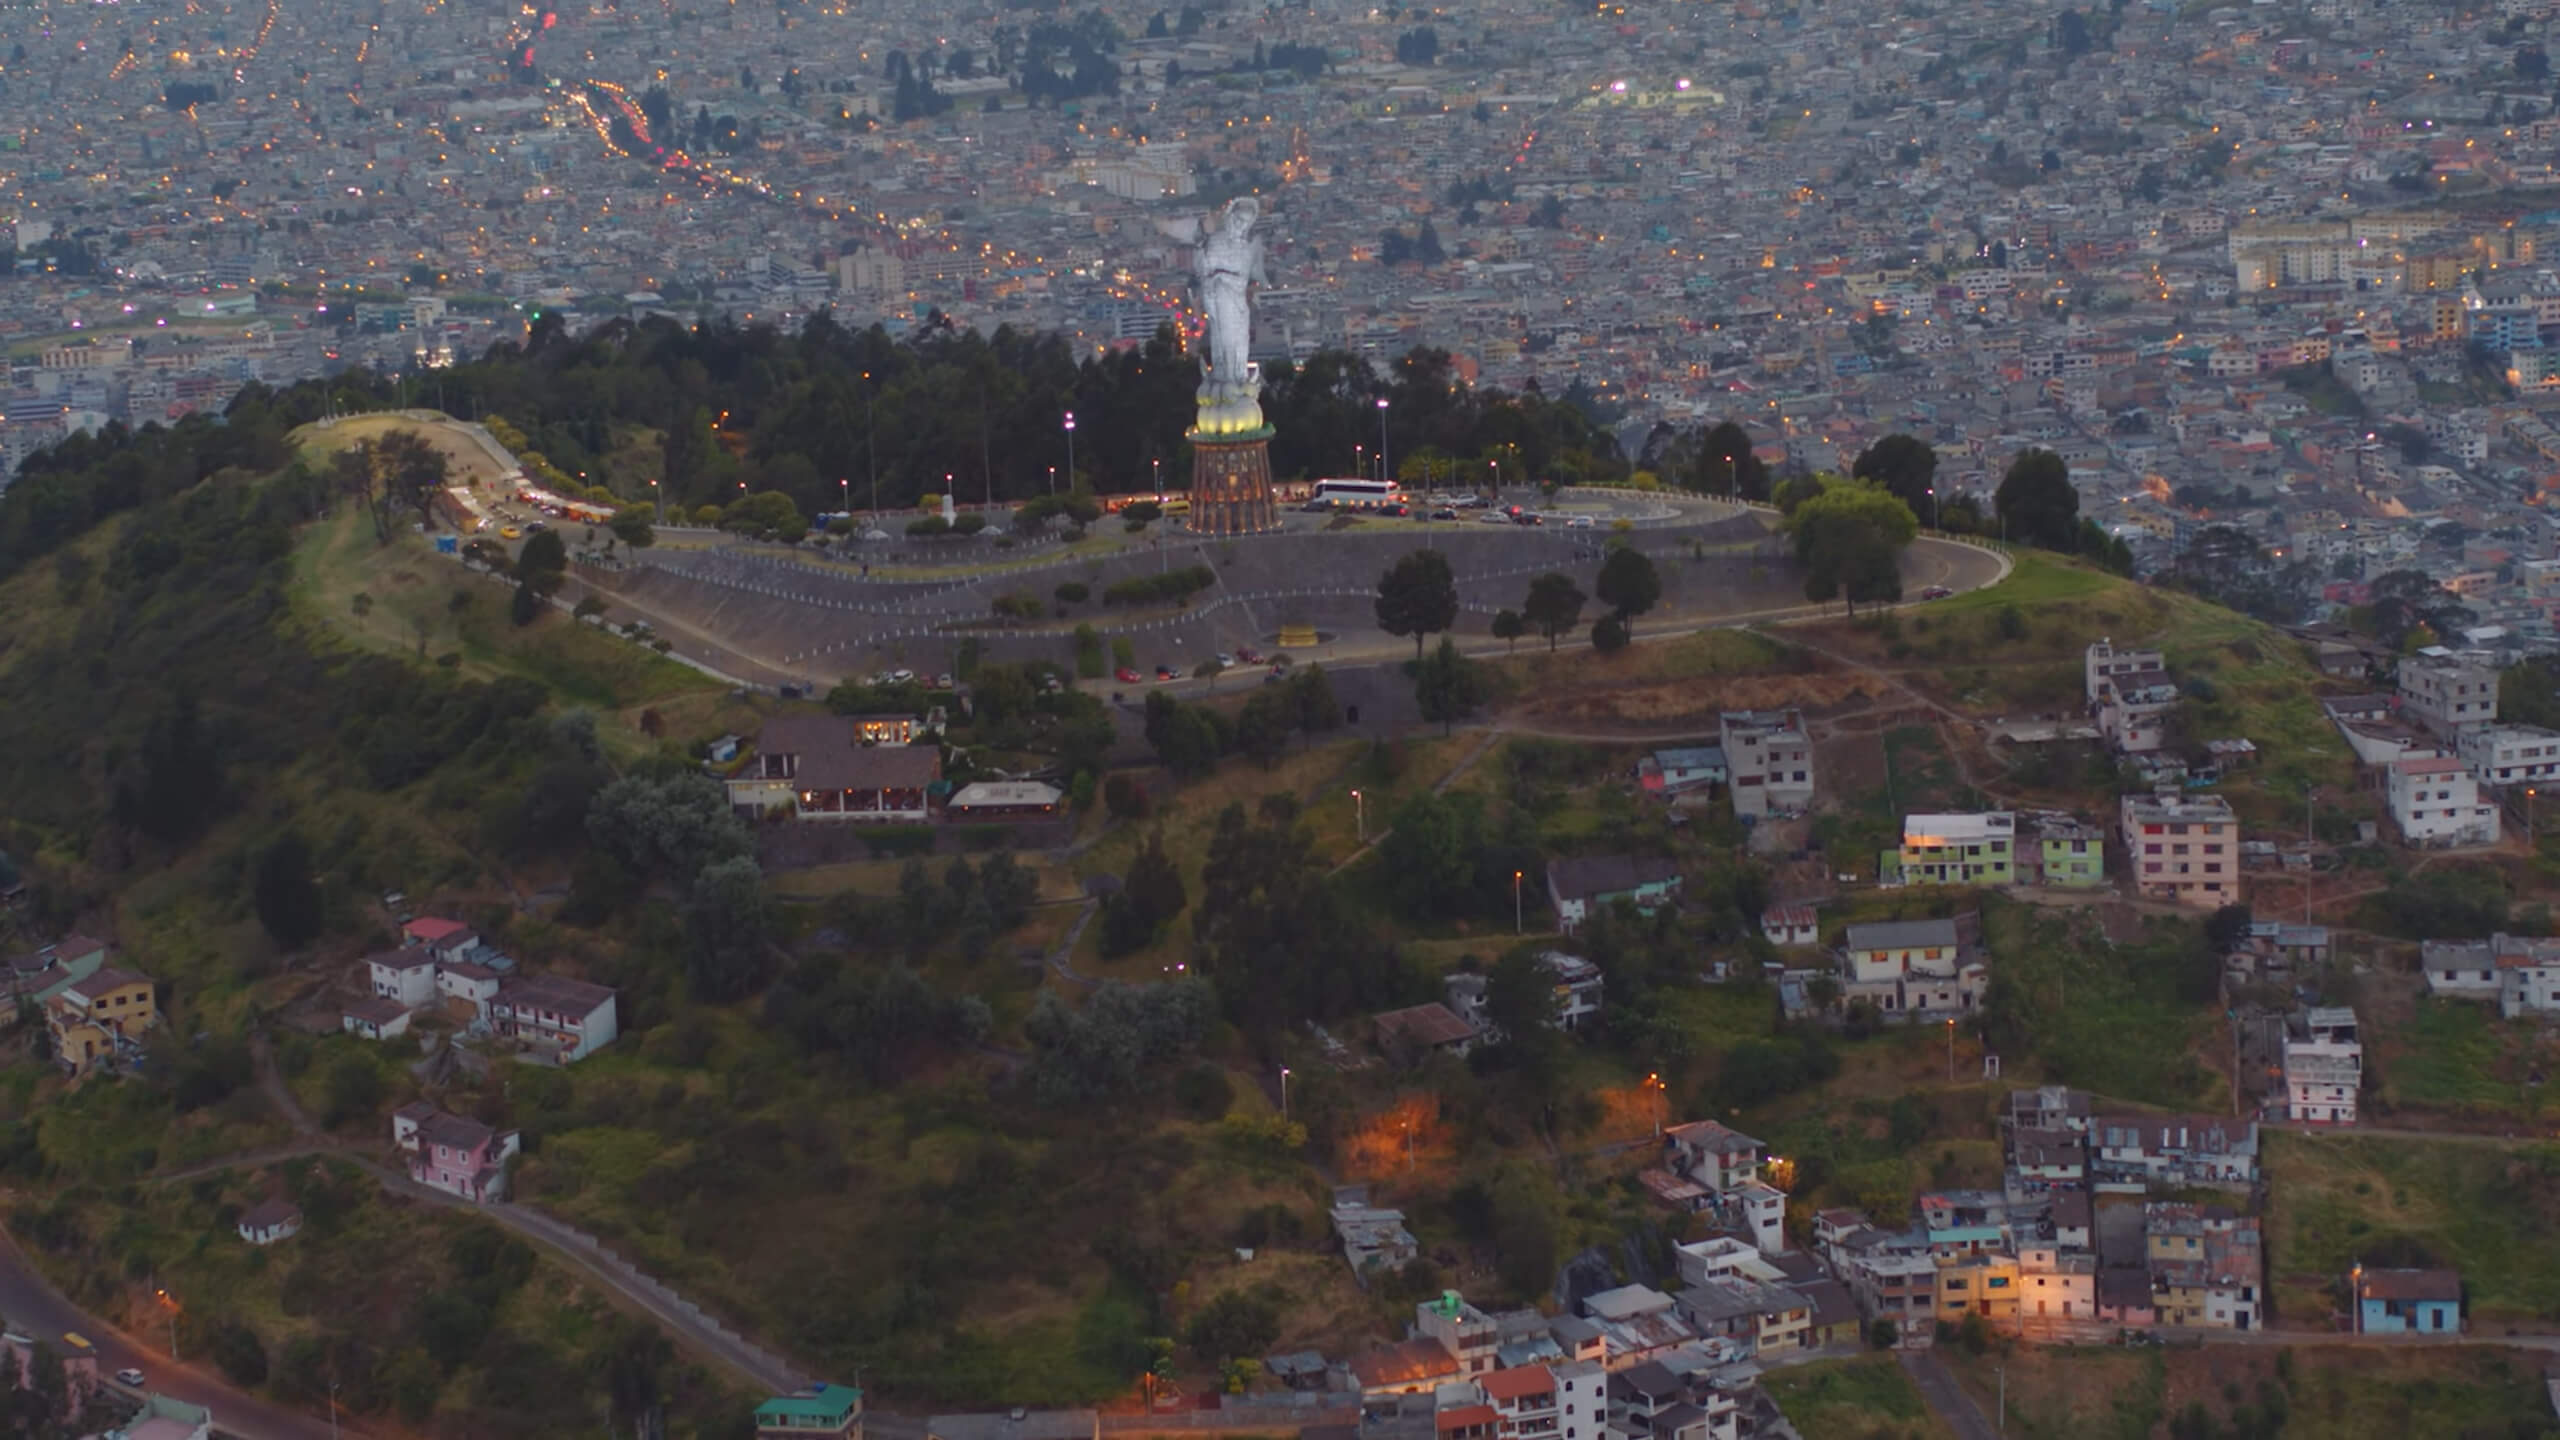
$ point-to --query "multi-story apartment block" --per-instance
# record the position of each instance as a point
(2130, 696)
(2054, 1284)
(1466, 1332)
(2130, 1150)
(1959, 849)
(1769, 756)
(2323, 1067)
(2061, 850)
(2448, 692)
(2206, 1266)
(2510, 754)
(2183, 847)
(2436, 802)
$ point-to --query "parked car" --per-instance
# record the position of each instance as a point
(902, 677)
(509, 532)
(1444, 513)
(129, 1377)
(1248, 655)
(1225, 660)
(1126, 676)
(1164, 673)
(942, 681)
(1936, 592)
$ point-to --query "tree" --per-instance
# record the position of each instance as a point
(1554, 606)
(1150, 894)
(667, 826)
(1849, 535)
(727, 925)
(287, 896)
(1629, 585)
(1418, 596)
(1907, 467)
(1240, 1323)
(1262, 727)
(2036, 502)
(1448, 686)
(1609, 635)
(1508, 627)
(1311, 701)
(1725, 463)
(632, 526)
(543, 562)
(1429, 854)
(2533, 63)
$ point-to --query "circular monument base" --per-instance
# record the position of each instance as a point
(1231, 484)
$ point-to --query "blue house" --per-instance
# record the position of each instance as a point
(2407, 1302)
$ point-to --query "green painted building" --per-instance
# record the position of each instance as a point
(2068, 854)
(821, 1412)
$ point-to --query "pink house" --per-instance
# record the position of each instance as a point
(458, 1156)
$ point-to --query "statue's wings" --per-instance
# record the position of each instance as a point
(1187, 229)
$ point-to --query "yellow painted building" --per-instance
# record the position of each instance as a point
(1985, 1285)
(89, 1017)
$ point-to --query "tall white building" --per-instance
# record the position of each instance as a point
(2323, 1068)
(2437, 802)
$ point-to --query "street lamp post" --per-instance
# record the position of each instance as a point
(1383, 472)
(1653, 1082)
(1157, 463)
(1360, 812)
(1284, 1092)
(1933, 509)
(1951, 1049)
(1515, 903)
(1071, 453)
(1360, 460)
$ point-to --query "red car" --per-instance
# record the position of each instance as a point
(1126, 676)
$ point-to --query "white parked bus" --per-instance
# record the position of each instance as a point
(1360, 495)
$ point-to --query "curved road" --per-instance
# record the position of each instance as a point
(35, 1307)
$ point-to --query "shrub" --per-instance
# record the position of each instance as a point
(1171, 587)
(1074, 592)
(928, 526)
(1126, 798)
(1203, 1092)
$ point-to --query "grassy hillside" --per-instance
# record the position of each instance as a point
(339, 1303)
(2015, 650)
(2306, 1392)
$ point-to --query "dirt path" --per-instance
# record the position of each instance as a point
(1938, 1386)
(262, 1056)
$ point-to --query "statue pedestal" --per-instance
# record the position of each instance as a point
(1231, 483)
